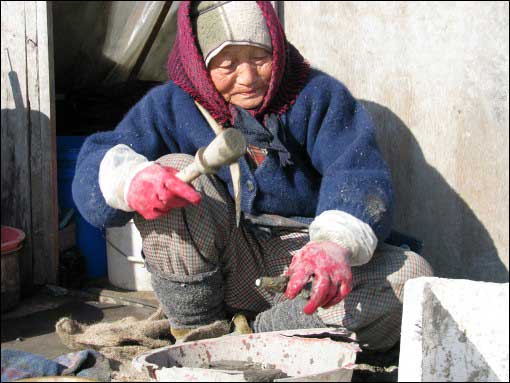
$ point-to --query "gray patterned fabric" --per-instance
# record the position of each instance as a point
(287, 315)
(190, 301)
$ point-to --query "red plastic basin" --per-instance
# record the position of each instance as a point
(11, 238)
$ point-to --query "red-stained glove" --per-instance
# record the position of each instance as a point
(155, 190)
(328, 263)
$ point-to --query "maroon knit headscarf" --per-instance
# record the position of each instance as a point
(186, 67)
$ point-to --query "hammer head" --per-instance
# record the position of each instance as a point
(225, 149)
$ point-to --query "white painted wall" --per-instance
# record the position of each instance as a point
(435, 78)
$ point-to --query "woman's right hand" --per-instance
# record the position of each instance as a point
(155, 190)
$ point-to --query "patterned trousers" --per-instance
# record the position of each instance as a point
(199, 239)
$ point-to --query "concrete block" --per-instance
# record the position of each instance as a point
(454, 330)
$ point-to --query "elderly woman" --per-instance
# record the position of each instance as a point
(312, 163)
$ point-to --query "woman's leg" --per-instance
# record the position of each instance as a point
(373, 309)
(201, 263)
(184, 252)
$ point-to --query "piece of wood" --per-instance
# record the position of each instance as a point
(15, 179)
(273, 284)
(29, 182)
(235, 168)
(34, 130)
(279, 283)
(44, 191)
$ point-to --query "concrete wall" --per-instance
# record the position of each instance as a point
(435, 78)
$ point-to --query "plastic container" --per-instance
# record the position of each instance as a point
(90, 240)
(125, 263)
(68, 148)
(11, 238)
(305, 355)
(12, 248)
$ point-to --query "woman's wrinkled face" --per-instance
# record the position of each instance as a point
(241, 73)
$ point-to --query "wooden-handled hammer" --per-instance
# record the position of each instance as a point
(225, 149)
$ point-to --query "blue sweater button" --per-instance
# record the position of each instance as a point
(250, 186)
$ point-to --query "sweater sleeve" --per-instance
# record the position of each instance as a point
(340, 140)
(139, 132)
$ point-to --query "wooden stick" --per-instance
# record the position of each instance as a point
(279, 285)
(273, 284)
(235, 168)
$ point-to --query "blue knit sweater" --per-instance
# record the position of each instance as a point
(329, 135)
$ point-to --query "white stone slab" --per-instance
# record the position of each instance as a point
(454, 330)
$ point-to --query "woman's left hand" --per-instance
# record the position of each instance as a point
(329, 264)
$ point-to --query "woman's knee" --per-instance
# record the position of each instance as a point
(176, 160)
(189, 240)
(416, 266)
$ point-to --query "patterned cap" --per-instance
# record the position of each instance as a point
(218, 24)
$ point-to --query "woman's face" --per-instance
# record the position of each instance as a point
(241, 73)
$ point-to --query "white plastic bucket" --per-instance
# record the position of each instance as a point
(126, 268)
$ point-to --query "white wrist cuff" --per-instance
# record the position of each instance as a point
(346, 230)
(118, 168)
